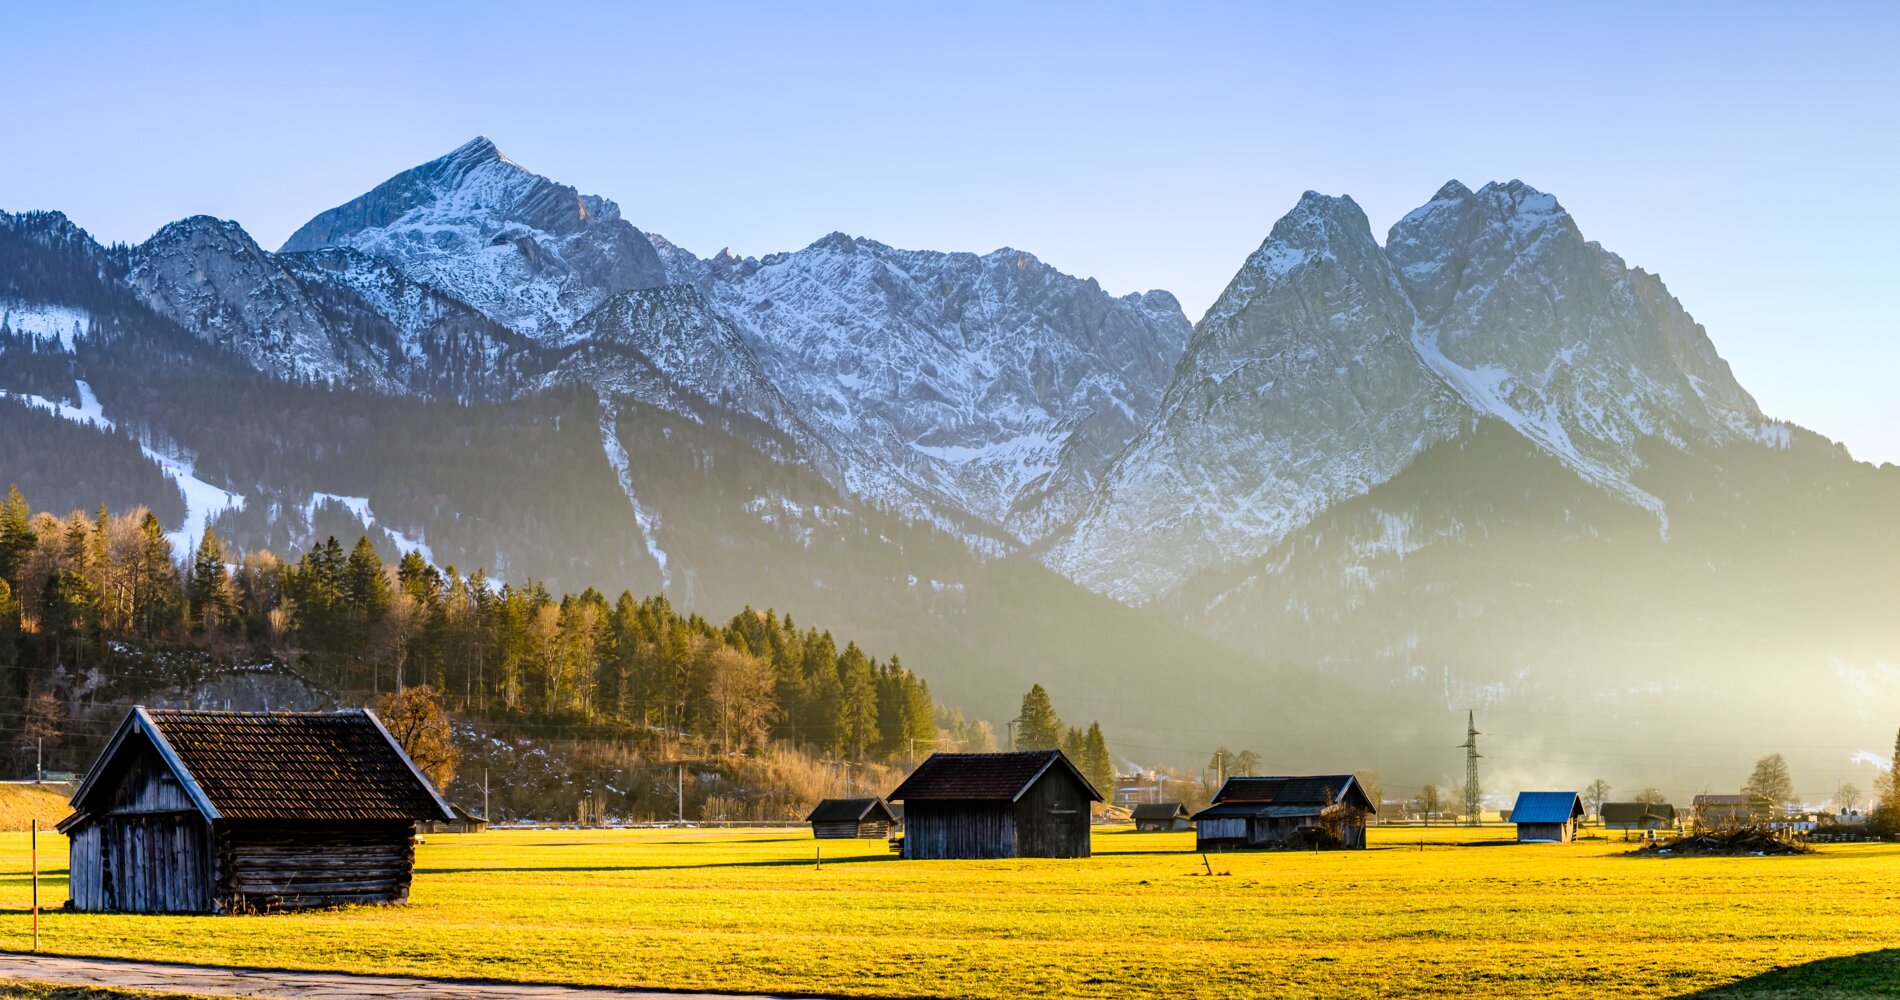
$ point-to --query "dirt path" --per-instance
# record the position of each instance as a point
(222, 982)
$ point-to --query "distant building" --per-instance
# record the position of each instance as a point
(1285, 811)
(849, 819)
(1717, 812)
(1547, 817)
(1031, 804)
(1637, 815)
(464, 822)
(220, 812)
(1161, 817)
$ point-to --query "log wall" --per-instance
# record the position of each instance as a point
(283, 866)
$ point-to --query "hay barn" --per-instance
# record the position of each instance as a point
(1161, 817)
(1636, 815)
(1030, 804)
(221, 812)
(1320, 809)
(464, 822)
(1547, 817)
(848, 819)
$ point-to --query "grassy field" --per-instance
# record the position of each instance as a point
(748, 910)
(21, 804)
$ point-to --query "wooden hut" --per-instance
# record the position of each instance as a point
(1307, 810)
(852, 819)
(1547, 817)
(1032, 804)
(1636, 815)
(464, 822)
(1161, 817)
(221, 812)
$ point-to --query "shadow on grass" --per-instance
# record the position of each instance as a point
(1850, 977)
(786, 863)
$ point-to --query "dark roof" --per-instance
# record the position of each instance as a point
(1304, 790)
(1229, 810)
(1635, 812)
(280, 765)
(1547, 807)
(1159, 810)
(850, 811)
(1735, 801)
(979, 777)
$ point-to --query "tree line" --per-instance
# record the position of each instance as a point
(77, 592)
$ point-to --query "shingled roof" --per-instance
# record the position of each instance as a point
(306, 766)
(849, 811)
(1304, 790)
(978, 777)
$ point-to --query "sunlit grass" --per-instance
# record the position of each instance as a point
(749, 910)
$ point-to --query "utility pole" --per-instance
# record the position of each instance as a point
(1473, 796)
(682, 793)
(39, 760)
(485, 813)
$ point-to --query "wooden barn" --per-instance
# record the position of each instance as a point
(1031, 804)
(852, 819)
(1547, 817)
(1308, 810)
(464, 822)
(1161, 817)
(1726, 812)
(1636, 815)
(222, 812)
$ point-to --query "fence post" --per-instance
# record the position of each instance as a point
(36, 883)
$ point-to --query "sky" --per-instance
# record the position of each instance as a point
(1745, 152)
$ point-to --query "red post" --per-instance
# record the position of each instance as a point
(36, 884)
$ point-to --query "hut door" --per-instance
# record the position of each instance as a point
(157, 863)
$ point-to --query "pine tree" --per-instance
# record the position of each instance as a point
(857, 704)
(209, 594)
(1037, 726)
(17, 537)
(1096, 763)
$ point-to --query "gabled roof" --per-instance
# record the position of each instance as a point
(1635, 812)
(984, 777)
(277, 765)
(850, 811)
(1303, 790)
(1159, 810)
(1547, 807)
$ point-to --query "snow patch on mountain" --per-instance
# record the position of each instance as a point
(43, 321)
(643, 516)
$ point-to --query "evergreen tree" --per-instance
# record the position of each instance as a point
(1037, 726)
(209, 594)
(1096, 763)
(857, 703)
(17, 537)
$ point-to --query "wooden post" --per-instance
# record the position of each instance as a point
(821, 857)
(36, 884)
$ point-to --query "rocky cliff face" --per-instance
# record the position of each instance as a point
(1331, 362)
(531, 254)
(985, 392)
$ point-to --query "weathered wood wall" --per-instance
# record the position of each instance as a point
(959, 830)
(870, 829)
(1052, 818)
(281, 866)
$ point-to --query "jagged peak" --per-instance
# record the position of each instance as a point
(1452, 190)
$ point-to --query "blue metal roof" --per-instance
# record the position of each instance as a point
(1547, 807)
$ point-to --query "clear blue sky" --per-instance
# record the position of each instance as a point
(1745, 152)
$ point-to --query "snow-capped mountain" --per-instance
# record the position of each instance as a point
(333, 316)
(987, 391)
(1331, 362)
(531, 254)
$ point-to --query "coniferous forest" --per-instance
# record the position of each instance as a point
(555, 696)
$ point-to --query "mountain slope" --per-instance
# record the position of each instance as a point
(1331, 363)
(531, 254)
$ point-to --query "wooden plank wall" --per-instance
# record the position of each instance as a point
(277, 866)
(86, 881)
(156, 863)
(959, 830)
(1052, 818)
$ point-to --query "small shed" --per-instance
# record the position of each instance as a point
(221, 812)
(848, 819)
(1028, 804)
(1547, 817)
(1637, 815)
(464, 822)
(1314, 809)
(1161, 817)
